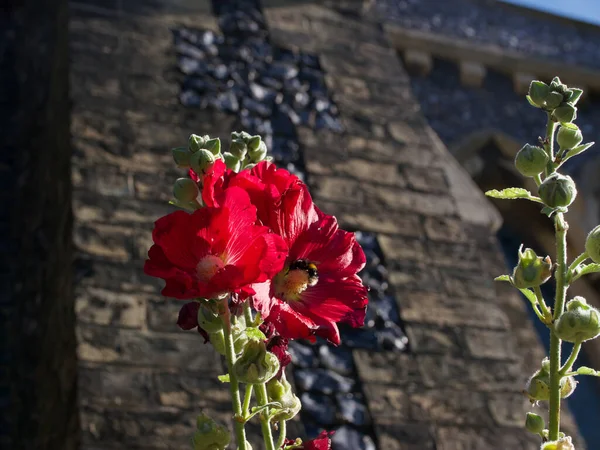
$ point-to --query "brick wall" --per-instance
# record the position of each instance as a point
(38, 379)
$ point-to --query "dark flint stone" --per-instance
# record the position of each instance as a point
(302, 355)
(338, 359)
(189, 98)
(293, 85)
(352, 409)
(285, 150)
(262, 93)
(220, 72)
(392, 338)
(224, 101)
(282, 70)
(282, 122)
(372, 258)
(319, 408)
(198, 84)
(346, 438)
(322, 104)
(255, 125)
(255, 107)
(359, 338)
(301, 100)
(191, 66)
(271, 82)
(186, 49)
(367, 240)
(386, 307)
(309, 60)
(322, 380)
(290, 112)
(287, 56)
(326, 120)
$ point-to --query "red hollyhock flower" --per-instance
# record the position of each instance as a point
(322, 442)
(319, 285)
(215, 250)
(277, 345)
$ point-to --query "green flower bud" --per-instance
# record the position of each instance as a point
(531, 160)
(534, 423)
(573, 95)
(580, 322)
(254, 143)
(181, 156)
(531, 270)
(558, 86)
(238, 148)
(231, 162)
(558, 190)
(553, 100)
(563, 443)
(258, 154)
(281, 391)
(565, 113)
(185, 190)
(592, 245)
(567, 386)
(538, 386)
(202, 160)
(213, 146)
(569, 136)
(217, 339)
(538, 92)
(209, 435)
(196, 142)
(209, 321)
(256, 364)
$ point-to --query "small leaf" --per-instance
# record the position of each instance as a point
(583, 370)
(586, 269)
(503, 278)
(548, 211)
(529, 295)
(255, 333)
(224, 378)
(575, 95)
(531, 102)
(512, 194)
(577, 150)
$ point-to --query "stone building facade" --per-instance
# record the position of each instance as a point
(446, 352)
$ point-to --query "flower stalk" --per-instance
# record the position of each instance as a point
(575, 321)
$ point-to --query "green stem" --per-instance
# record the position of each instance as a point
(234, 385)
(538, 179)
(262, 399)
(247, 398)
(549, 146)
(555, 343)
(580, 259)
(248, 314)
(282, 432)
(547, 315)
(572, 358)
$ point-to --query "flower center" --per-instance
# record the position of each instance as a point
(294, 280)
(207, 267)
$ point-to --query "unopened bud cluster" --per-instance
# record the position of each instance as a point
(555, 98)
(201, 153)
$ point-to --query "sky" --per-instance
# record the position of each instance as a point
(585, 10)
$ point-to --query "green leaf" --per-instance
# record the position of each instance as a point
(577, 150)
(575, 95)
(531, 102)
(503, 278)
(548, 211)
(529, 295)
(586, 269)
(512, 194)
(224, 378)
(255, 333)
(583, 370)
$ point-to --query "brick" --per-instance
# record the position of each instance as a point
(445, 229)
(116, 387)
(406, 436)
(490, 344)
(103, 241)
(432, 339)
(379, 173)
(454, 438)
(103, 274)
(387, 404)
(463, 373)
(191, 391)
(430, 180)
(435, 309)
(445, 406)
(464, 256)
(183, 350)
(343, 86)
(105, 180)
(386, 367)
(162, 314)
(508, 408)
(105, 307)
(402, 248)
(410, 276)
(405, 200)
(462, 283)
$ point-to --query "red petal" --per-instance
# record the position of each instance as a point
(173, 233)
(334, 251)
(214, 181)
(188, 316)
(289, 323)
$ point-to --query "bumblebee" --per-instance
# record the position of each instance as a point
(308, 267)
